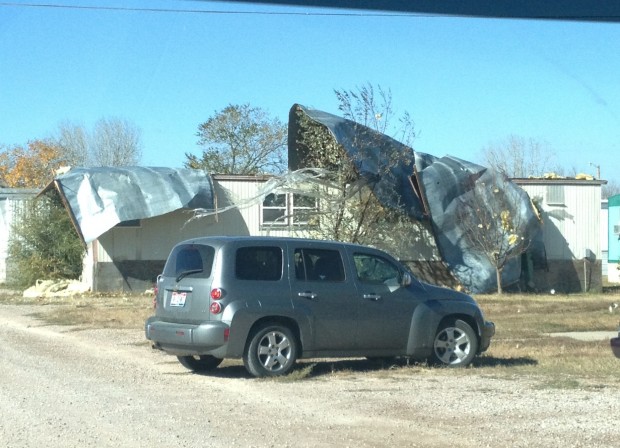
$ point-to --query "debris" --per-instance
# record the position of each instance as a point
(56, 288)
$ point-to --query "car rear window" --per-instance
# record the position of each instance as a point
(259, 263)
(194, 258)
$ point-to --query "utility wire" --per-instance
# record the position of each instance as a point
(208, 11)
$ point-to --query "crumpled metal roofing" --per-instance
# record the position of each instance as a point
(447, 182)
(427, 188)
(368, 151)
(100, 198)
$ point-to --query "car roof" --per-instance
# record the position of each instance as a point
(223, 239)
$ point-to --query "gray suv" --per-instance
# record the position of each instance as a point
(271, 301)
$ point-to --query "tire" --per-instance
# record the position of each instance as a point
(455, 344)
(271, 351)
(202, 363)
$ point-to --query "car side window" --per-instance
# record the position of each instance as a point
(258, 263)
(376, 270)
(322, 265)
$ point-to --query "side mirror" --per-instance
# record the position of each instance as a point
(406, 280)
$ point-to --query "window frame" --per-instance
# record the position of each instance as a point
(290, 215)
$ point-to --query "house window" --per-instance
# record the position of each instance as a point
(275, 209)
(555, 194)
(287, 209)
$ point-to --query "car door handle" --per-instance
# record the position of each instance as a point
(373, 297)
(308, 295)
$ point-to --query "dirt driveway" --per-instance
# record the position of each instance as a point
(66, 388)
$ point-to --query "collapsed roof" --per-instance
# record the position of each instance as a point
(99, 198)
(419, 185)
(425, 187)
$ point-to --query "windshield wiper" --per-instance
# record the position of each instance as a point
(186, 273)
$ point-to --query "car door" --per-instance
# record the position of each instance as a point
(385, 306)
(325, 291)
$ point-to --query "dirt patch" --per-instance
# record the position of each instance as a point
(586, 335)
(70, 387)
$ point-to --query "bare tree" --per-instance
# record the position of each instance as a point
(492, 224)
(73, 139)
(521, 157)
(372, 107)
(112, 142)
(612, 188)
(241, 139)
(115, 142)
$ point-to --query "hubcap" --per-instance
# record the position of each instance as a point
(452, 346)
(274, 351)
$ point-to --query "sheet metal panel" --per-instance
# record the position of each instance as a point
(99, 198)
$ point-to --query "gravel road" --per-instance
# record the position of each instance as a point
(63, 387)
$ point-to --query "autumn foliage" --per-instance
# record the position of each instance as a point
(32, 166)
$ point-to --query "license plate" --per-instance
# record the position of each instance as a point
(178, 298)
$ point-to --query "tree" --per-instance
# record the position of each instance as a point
(43, 243)
(372, 107)
(492, 224)
(520, 157)
(612, 188)
(112, 142)
(74, 141)
(240, 139)
(115, 142)
(29, 167)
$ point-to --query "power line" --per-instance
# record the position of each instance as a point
(207, 11)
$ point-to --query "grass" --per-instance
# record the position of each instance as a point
(89, 310)
(521, 347)
(522, 344)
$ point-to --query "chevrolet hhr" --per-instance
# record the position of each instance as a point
(271, 301)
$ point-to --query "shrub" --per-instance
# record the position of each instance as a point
(43, 243)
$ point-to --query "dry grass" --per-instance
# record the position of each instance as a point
(90, 310)
(522, 345)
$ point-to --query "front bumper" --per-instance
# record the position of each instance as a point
(487, 332)
(186, 339)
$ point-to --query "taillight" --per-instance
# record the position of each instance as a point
(215, 308)
(155, 290)
(216, 293)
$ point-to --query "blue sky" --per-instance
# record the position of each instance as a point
(466, 82)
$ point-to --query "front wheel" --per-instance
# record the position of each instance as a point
(202, 363)
(271, 351)
(455, 344)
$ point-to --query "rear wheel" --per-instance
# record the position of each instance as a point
(455, 345)
(202, 363)
(271, 351)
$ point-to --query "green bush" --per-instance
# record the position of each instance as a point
(43, 243)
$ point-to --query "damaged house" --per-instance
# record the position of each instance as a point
(130, 218)
(12, 201)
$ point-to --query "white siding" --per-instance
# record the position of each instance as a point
(573, 227)
(604, 235)
(5, 226)
(156, 236)
(12, 200)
